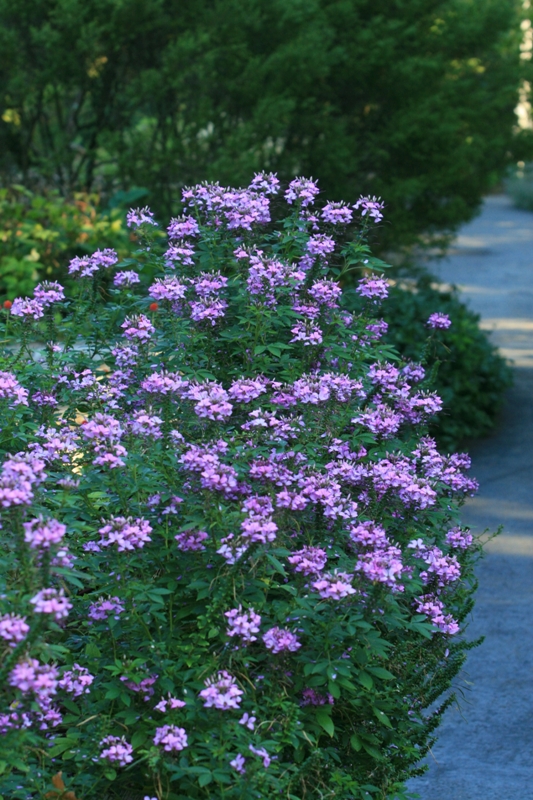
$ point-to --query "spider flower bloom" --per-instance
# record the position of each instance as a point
(28, 309)
(374, 287)
(51, 601)
(49, 292)
(39, 533)
(278, 639)
(303, 191)
(371, 206)
(439, 321)
(116, 750)
(126, 278)
(221, 692)
(243, 624)
(138, 327)
(140, 216)
(13, 629)
(127, 534)
(172, 739)
(10, 389)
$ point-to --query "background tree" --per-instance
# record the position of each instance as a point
(409, 99)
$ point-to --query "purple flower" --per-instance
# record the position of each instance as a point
(243, 624)
(335, 586)
(40, 679)
(371, 206)
(208, 309)
(103, 609)
(116, 750)
(51, 601)
(320, 245)
(308, 560)
(303, 191)
(246, 390)
(248, 721)
(211, 400)
(209, 283)
(436, 321)
(146, 425)
(140, 216)
(169, 702)
(168, 288)
(138, 327)
(238, 763)
(191, 540)
(462, 540)
(21, 307)
(126, 278)
(278, 639)
(172, 738)
(42, 534)
(49, 292)
(13, 629)
(307, 332)
(262, 753)
(326, 293)
(310, 697)
(266, 183)
(337, 214)
(126, 533)
(374, 287)
(221, 692)
(10, 389)
(87, 266)
(433, 608)
(76, 681)
(183, 226)
(143, 687)
(179, 254)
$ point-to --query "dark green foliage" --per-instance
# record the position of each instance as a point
(471, 377)
(408, 99)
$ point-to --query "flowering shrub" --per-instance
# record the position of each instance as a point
(232, 560)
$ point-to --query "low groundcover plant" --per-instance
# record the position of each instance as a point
(232, 565)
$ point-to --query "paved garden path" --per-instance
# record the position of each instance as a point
(485, 748)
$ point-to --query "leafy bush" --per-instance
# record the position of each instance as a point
(232, 564)
(413, 101)
(470, 375)
(40, 232)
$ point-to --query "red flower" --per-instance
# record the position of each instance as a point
(153, 307)
(7, 304)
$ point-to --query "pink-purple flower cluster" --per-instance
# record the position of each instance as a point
(243, 623)
(221, 692)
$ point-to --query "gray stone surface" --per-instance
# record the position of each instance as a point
(485, 747)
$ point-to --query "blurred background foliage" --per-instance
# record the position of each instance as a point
(412, 100)
(111, 103)
(40, 233)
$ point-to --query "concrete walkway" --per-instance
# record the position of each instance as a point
(485, 748)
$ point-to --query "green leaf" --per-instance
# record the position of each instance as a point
(365, 680)
(382, 717)
(380, 672)
(138, 738)
(356, 742)
(110, 774)
(323, 717)
(205, 779)
(92, 651)
(373, 751)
